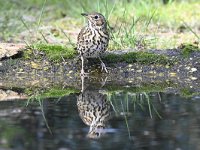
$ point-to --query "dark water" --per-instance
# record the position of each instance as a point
(99, 120)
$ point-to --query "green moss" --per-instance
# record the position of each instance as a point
(187, 49)
(141, 57)
(28, 54)
(58, 52)
(52, 52)
(186, 92)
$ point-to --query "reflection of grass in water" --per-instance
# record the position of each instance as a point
(37, 98)
(43, 115)
(141, 99)
(120, 102)
(150, 106)
(111, 98)
(124, 114)
(34, 96)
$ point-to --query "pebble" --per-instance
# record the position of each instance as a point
(193, 78)
(167, 66)
(130, 65)
(161, 74)
(188, 68)
(193, 69)
(70, 71)
(139, 71)
(172, 74)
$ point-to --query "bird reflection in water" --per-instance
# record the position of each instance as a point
(94, 110)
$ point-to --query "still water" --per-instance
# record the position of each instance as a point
(95, 119)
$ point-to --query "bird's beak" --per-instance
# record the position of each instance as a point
(84, 14)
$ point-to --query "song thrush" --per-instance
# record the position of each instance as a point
(93, 39)
(94, 110)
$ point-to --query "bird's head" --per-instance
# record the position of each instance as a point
(95, 20)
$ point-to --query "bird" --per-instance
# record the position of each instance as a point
(94, 110)
(93, 39)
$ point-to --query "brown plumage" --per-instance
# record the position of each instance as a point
(94, 110)
(93, 39)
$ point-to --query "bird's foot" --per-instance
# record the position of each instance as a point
(104, 81)
(83, 73)
(103, 67)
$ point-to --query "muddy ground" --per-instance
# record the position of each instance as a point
(184, 73)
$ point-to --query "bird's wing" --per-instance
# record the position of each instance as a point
(80, 35)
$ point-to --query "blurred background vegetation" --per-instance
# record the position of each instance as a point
(136, 24)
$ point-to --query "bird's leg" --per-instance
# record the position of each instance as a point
(104, 82)
(103, 66)
(82, 83)
(82, 67)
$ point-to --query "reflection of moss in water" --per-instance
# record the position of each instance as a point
(187, 49)
(50, 93)
(147, 88)
(186, 92)
(57, 92)
(159, 87)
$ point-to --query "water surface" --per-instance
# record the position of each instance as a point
(95, 119)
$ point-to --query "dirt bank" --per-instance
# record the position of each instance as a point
(177, 71)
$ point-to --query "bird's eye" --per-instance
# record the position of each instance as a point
(96, 17)
(97, 134)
